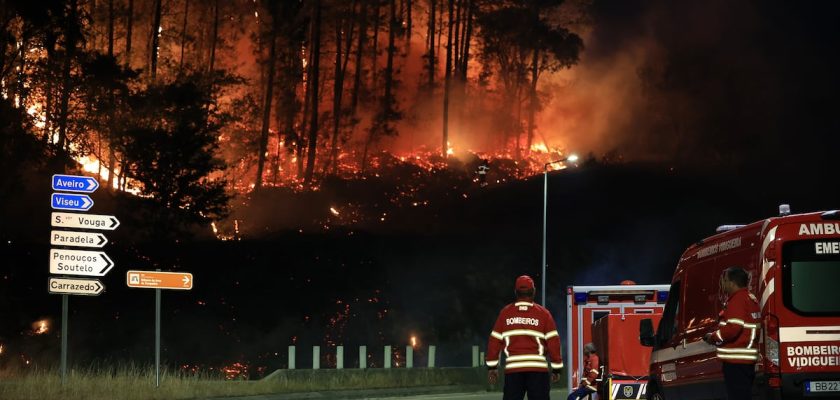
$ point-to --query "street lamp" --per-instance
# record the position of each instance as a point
(571, 158)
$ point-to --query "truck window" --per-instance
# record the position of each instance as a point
(810, 273)
(596, 315)
(670, 317)
(702, 300)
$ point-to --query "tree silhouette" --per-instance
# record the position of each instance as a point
(171, 150)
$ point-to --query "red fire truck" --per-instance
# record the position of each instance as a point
(609, 317)
(794, 267)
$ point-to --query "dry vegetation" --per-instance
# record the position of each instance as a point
(135, 383)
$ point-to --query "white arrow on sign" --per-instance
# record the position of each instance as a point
(78, 239)
(79, 262)
(85, 287)
(84, 221)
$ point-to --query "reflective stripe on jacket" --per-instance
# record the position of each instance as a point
(590, 370)
(738, 329)
(526, 332)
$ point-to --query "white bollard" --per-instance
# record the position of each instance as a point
(362, 357)
(409, 357)
(432, 356)
(291, 357)
(316, 357)
(475, 356)
(481, 358)
(339, 357)
(387, 356)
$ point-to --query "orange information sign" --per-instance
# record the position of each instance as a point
(159, 280)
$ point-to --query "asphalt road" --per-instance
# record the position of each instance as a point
(555, 394)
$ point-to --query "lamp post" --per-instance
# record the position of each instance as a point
(572, 158)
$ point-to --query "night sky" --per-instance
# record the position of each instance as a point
(686, 115)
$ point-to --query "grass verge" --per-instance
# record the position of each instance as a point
(131, 383)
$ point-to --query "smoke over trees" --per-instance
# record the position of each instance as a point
(298, 61)
(328, 87)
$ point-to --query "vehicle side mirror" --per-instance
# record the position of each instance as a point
(646, 334)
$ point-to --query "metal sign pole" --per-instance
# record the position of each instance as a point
(157, 337)
(65, 299)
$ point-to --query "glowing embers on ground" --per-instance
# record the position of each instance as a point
(236, 370)
(224, 236)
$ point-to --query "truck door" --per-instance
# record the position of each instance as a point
(665, 354)
(698, 369)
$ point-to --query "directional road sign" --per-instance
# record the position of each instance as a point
(78, 239)
(84, 221)
(72, 202)
(84, 287)
(79, 262)
(74, 183)
(159, 280)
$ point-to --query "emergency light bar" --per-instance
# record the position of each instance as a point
(727, 228)
(833, 214)
(581, 297)
(661, 296)
(621, 292)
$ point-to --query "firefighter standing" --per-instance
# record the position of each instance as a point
(483, 168)
(526, 331)
(590, 373)
(737, 334)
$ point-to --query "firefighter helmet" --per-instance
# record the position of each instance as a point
(524, 282)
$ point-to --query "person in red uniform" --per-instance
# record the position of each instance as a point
(590, 373)
(737, 334)
(526, 332)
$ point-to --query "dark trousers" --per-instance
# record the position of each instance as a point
(580, 392)
(536, 384)
(739, 380)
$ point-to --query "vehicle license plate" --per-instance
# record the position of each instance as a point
(822, 386)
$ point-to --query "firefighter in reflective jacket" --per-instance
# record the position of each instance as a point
(737, 334)
(526, 332)
(590, 373)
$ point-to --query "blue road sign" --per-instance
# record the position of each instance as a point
(74, 183)
(72, 202)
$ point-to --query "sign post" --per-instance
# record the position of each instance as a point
(71, 202)
(158, 280)
(74, 183)
(84, 287)
(65, 299)
(84, 221)
(157, 337)
(76, 262)
(79, 262)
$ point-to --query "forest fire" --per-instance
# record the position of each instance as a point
(40, 327)
(236, 370)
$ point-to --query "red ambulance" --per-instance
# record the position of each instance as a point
(609, 316)
(794, 267)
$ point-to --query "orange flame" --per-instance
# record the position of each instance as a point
(40, 327)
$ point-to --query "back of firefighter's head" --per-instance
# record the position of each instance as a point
(524, 288)
(734, 278)
(589, 348)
